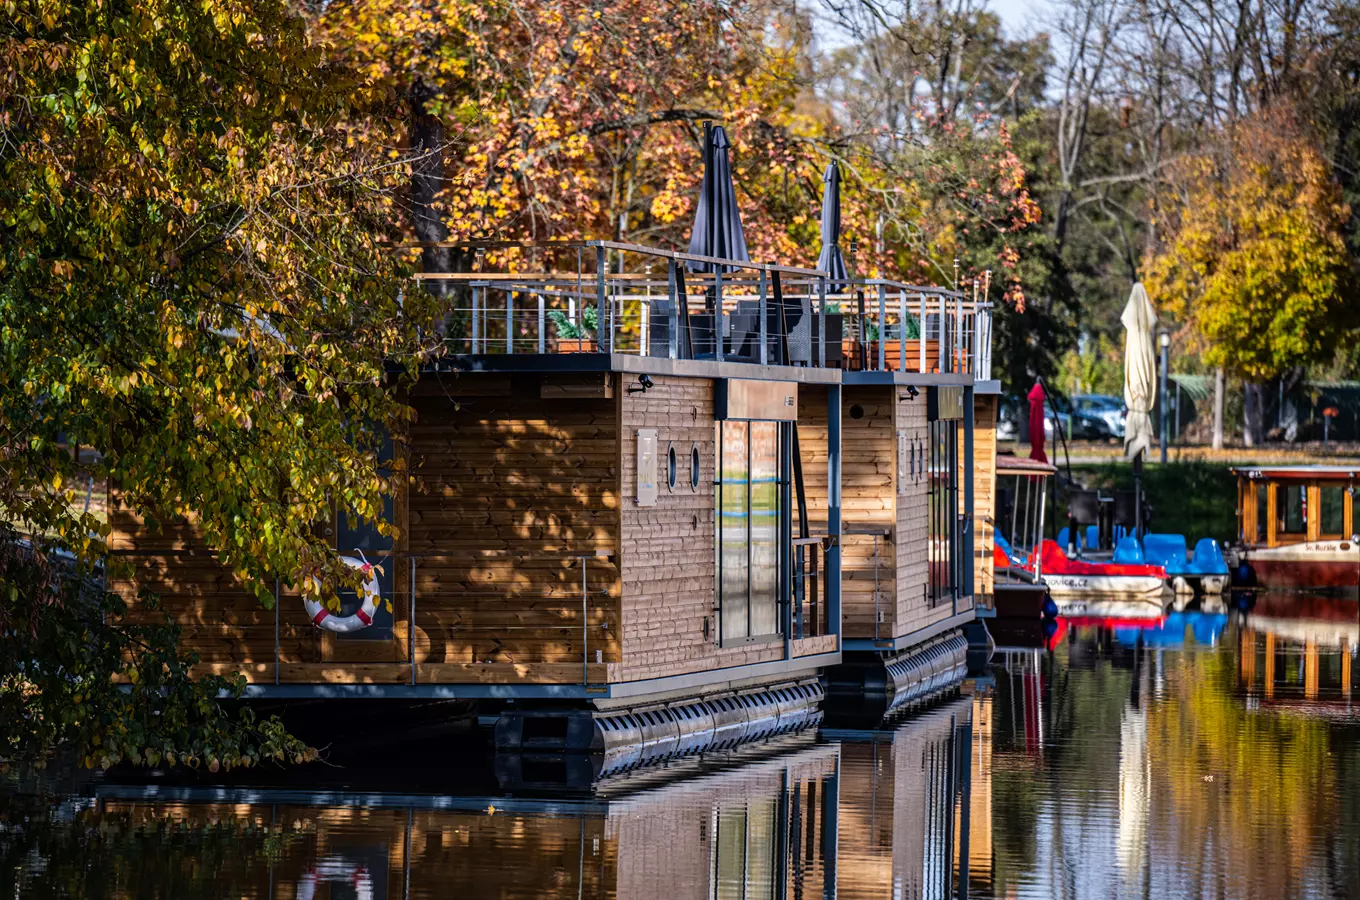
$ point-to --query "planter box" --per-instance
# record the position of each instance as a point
(892, 355)
(575, 345)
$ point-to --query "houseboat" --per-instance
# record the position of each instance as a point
(908, 423)
(1296, 528)
(632, 508)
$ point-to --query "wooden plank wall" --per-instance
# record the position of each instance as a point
(913, 526)
(509, 490)
(984, 488)
(220, 619)
(667, 551)
(868, 485)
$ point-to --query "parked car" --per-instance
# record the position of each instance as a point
(1103, 406)
(1077, 425)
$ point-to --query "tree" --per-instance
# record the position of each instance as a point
(196, 282)
(1254, 255)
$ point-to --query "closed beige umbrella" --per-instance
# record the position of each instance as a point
(1140, 371)
(1140, 379)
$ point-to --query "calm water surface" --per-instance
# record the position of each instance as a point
(1205, 756)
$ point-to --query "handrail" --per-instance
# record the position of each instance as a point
(864, 324)
(622, 247)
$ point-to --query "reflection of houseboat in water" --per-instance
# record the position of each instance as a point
(906, 806)
(766, 828)
(1300, 648)
(1295, 527)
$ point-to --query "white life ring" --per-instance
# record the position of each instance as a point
(363, 617)
(336, 870)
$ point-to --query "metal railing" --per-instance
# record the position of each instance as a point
(463, 609)
(880, 536)
(613, 297)
(809, 587)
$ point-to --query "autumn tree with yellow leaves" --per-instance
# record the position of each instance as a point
(582, 119)
(196, 284)
(1253, 257)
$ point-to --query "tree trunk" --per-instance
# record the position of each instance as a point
(427, 181)
(1218, 408)
(1253, 413)
(1289, 407)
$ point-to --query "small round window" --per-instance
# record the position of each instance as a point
(671, 467)
(694, 468)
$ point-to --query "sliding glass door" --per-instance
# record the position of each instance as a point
(749, 508)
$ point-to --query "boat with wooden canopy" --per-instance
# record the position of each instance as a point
(1296, 527)
(1018, 577)
(632, 505)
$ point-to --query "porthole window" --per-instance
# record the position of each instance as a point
(694, 468)
(671, 467)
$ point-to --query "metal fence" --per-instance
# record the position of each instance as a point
(611, 297)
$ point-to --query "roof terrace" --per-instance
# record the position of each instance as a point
(541, 305)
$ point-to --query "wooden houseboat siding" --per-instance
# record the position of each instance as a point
(984, 489)
(912, 610)
(868, 508)
(883, 492)
(220, 618)
(667, 553)
(514, 496)
(667, 550)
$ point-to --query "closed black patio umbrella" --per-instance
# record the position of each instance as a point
(830, 259)
(717, 221)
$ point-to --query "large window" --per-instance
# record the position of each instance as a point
(1262, 512)
(1332, 510)
(943, 469)
(1291, 509)
(748, 539)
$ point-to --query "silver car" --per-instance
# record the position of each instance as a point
(1104, 407)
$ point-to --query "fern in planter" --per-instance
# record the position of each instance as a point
(574, 331)
(871, 332)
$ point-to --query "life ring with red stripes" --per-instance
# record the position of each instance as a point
(336, 870)
(362, 617)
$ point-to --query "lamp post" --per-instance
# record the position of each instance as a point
(1164, 341)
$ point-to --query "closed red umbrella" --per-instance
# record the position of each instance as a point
(1036, 422)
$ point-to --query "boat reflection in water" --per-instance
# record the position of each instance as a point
(1298, 650)
(904, 822)
(749, 827)
(1179, 755)
(878, 812)
(1189, 754)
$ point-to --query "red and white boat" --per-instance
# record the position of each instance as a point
(1074, 579)
(1295, 527)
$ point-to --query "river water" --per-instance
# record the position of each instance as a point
(1200, 755)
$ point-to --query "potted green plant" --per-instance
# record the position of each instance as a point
(578, 336)
(911, 347)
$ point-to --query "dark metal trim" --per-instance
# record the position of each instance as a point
(796, 666)
(907, 641)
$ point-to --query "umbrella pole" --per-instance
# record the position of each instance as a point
(1138, 495)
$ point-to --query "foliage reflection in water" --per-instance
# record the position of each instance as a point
(1186, 755)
